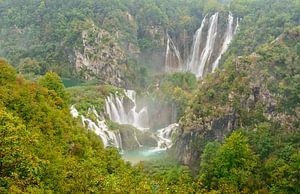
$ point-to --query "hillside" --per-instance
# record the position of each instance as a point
(149, 96)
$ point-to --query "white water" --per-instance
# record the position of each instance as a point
(209, 46)
(228, 38)
(74, 111)
(204, 47)
(172, 52)
(108, 137)
(115, 108)
(195, 57)
(165, 136)
(164, 139)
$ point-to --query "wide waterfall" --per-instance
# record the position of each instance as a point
(210, 42)
(123, 109)
(115, 108)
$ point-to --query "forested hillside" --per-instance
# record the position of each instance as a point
(149, 96)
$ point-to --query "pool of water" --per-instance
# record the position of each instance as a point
(146, 154)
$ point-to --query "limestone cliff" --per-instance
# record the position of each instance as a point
(102, 57)
(251, 90)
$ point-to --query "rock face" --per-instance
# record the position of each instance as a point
(210, 42)
(133, 139)
(189, 145)
(102, 58)
(244, 95)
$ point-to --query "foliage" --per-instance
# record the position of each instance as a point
(8, 74)
(53, 82)
(89, 96)
(262, 22)
(175, 88)
(28, 65)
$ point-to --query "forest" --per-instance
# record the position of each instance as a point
(97, 96)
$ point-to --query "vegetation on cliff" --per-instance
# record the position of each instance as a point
(239, 126)
(262, 92)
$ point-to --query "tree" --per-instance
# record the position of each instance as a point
(207, 163)
(7, 73)
(16, 165)
(235, 163)
(29, 65)
(53, 82)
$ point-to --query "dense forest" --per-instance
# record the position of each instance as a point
(85, 82)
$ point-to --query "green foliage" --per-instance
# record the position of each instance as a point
(89, 96)
(53, 82)
(28, 65)
(7, 73)
(235, 162)
(262, 22)
(207, 163)
(175, 88)
(262, 140)
(43, 150)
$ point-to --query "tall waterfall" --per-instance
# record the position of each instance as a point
(210, 42)
(173, 61)
(108, 137)
(228, 38)
(209, 46)
(115, 108)
(195, 57)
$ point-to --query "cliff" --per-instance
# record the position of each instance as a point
(252, 89)
(102, 57)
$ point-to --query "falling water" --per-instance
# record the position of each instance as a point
(74, 111)
(115, 108)
(173, 59)
(209, 46)
(228, 38)
(108, 137)
(195, 58)
(165, 136)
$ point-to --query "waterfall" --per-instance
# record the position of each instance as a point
(209, 46)
(74, 111)
(228, 38)
(195, 57)
(108, 137)
(115, 108)
(237, 25)
(165, 136)
(173, 61)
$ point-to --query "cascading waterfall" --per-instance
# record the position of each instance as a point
(195, 57)
(173, 61)
(228, 38)
(209, 46)
(108, 137)
(115, 108)
(117, 111)
(165, 136)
